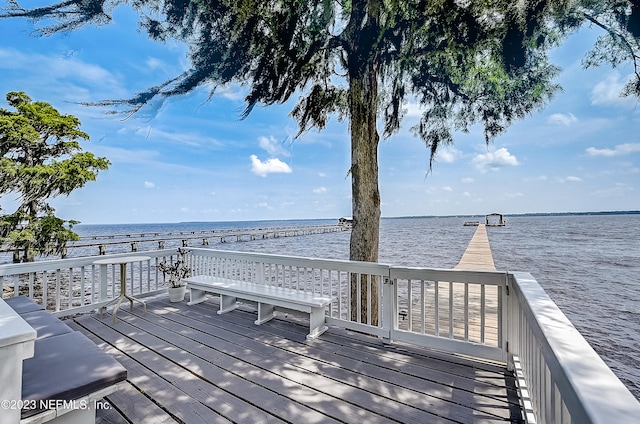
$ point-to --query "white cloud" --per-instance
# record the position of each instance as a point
(570, 179)
(447, 154)
(270, 166)
(154, 63)
(55, 70)
(540, 178)
(320, 190)
(607, 92)
(232, 92)
(494, 160)
(149, 184)
(188, 138)
(466, 194)
(618, 190)
(413, 110)
(468, 180)
(562, 119)
(620, 149)
(273, 147)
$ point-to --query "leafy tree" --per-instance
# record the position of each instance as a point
(466, 62)
(40, 158)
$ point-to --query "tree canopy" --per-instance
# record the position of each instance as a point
(40, 158)
(465, 62)
(619, 42)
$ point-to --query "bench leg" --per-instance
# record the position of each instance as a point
(316, 323)
(266, 313)
(227, 304)
(196, 296)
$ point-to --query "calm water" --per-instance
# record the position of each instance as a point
(589, 265)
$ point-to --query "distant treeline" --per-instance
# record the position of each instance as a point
(524, 214)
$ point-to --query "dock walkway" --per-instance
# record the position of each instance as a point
(478, 255)
(481, 302)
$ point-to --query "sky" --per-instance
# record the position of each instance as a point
(194, 159)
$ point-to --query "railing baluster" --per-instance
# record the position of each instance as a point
(450, 310)
(483, 307)
(423, 325)
(436, 294)
(466, 311)
(31, 283)
(70, 289)
(369, 300)
(410, 303)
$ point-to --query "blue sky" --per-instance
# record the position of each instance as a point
(189, 159)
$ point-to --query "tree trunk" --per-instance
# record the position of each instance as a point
(363, 104)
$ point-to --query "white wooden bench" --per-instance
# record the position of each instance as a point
(267, 298)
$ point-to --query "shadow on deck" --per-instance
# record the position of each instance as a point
(188, 364)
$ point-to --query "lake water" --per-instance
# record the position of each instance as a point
(589, 265)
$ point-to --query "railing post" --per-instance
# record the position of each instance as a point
(388, 307)
(16, 344)
(259, 270)
(504, 314)
(103, 282)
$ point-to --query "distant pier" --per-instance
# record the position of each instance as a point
(102, 244)
(201, 238)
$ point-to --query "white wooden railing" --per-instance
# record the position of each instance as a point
(70, 286)
(564, 379)
(499, 316)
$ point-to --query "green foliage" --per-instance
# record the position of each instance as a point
(41, 158)
(175, 271)
(466, 62)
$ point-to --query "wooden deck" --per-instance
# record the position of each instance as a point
(188, 364)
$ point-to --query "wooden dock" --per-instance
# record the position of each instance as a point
(482, 302)
(478, 255)
(188, 364)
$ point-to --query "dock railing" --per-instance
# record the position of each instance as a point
(498, 316)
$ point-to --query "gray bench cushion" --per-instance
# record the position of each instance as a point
(45, 324)
(23, 305)
(67, 367)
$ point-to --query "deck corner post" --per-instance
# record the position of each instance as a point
(17, 343)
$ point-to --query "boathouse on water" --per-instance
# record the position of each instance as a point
(495, 220)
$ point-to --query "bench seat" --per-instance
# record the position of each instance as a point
(266, 297)
(45, 324)
(66, 366)
(22, 304)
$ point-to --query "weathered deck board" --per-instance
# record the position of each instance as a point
(368, 370)
(189, 364)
